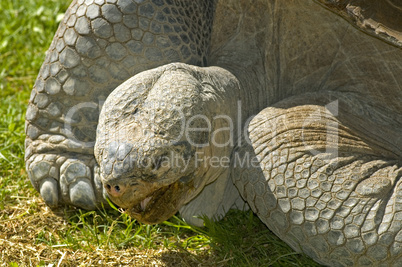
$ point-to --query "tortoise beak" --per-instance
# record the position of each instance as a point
(161, 204)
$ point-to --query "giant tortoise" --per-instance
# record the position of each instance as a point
(292, 108)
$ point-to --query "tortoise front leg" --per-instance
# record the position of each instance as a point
(98, 45)
(324, 185)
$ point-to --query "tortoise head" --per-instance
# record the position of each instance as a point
(151, 129)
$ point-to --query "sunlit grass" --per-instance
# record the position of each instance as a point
(26, 29)
(33, 235)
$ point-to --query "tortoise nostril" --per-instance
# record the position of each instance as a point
(115, 190)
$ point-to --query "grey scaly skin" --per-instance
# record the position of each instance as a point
(98, 46)
(320, 163)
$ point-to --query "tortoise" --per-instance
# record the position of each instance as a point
(290, 108)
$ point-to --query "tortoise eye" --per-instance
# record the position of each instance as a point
(159, 160)
(160, 133)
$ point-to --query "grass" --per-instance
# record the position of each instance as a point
(33, 235)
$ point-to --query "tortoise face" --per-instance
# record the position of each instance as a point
(150, 185)
(146, 158)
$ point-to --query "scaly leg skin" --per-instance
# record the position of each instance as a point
(328, 182)
(78, 184)
(97, 46)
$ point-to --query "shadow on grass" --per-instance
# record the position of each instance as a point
(241, 239)
(33, 235)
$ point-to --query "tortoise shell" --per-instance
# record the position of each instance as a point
(382, 19)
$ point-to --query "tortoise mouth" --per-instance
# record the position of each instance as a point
(161, 204)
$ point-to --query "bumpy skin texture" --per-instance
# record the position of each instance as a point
(343, 195)
(98, 45)
(148, 160)
(320, 163)
(329, 162)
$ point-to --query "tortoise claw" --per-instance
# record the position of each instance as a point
(75, 183)
(49, 192)
(82, 195)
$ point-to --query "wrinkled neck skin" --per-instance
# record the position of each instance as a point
(213, 126)
(166, 133)
(228, 105)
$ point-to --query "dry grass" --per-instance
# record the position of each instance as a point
(33, 235)
(31, 220)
